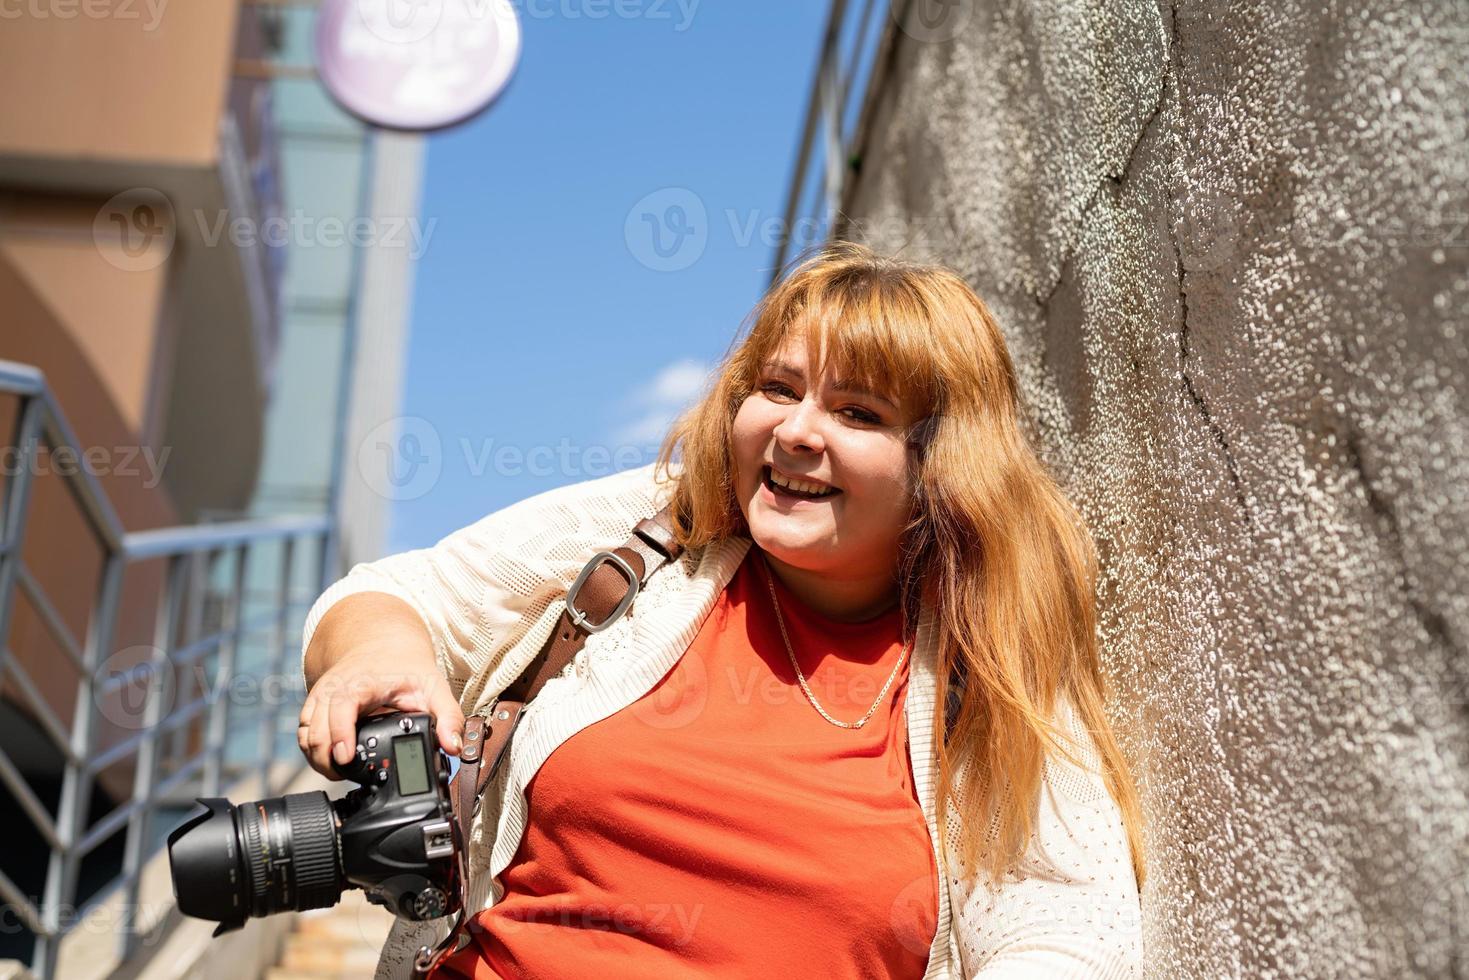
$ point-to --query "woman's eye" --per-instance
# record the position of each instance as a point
(857, 414)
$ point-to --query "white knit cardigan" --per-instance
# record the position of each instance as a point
(491, 593)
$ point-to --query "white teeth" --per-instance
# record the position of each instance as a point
(800, 486)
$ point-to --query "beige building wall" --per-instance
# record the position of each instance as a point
(109, 304)
(89, 86)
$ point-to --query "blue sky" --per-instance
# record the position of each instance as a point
(544, 313)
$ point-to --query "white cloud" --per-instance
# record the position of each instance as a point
(657, 404)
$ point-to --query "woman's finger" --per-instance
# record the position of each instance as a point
(318, 735)
(345, 711)
(448, 716)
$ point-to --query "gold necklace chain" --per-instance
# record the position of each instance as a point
(770, 581)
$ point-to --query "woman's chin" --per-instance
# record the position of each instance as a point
(784, 536)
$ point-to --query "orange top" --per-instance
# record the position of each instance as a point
(719, 826)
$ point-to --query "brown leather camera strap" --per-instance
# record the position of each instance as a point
(603, 591)
(601, 594)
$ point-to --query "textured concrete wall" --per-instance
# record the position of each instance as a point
(1229, 248)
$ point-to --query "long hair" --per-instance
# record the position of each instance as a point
(992, 543)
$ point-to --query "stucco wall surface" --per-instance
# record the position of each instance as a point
(1228, 245)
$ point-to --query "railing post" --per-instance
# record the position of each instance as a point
(76, 783)
(832, 100)
(270, 713)
(219, 709)
(145, 770)
(17, 505)
(197, 590)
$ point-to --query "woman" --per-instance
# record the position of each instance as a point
(747, 767)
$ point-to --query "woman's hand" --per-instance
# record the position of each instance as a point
(375, 675)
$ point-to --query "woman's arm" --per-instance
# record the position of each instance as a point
(370, 650)
(468, 599)
(1081, 921)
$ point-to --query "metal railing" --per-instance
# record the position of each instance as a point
(170, 763)
(853, 62)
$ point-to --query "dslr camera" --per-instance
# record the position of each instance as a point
(394, 837)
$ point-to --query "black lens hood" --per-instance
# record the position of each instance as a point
(204, 856)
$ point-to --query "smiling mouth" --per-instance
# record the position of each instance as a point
(781, 491)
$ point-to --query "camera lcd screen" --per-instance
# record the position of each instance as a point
(412, 768)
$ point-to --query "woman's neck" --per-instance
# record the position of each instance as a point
(846, 600)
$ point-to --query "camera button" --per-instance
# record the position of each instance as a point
(372, 742)
(382, 775)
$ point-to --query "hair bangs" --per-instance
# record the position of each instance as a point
(868, 329)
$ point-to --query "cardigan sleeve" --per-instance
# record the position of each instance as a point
(480, 589)
(1076, 912)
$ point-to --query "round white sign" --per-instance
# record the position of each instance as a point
(416, 64)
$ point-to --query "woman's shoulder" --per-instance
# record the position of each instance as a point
(623, 497)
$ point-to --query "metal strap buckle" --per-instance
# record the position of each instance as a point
(578, 617)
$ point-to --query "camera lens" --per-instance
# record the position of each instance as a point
(281, 854)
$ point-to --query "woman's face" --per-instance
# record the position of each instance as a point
(810, 431)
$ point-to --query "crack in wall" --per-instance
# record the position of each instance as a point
(1433, 622)
(1201, 405)
(1043, 297)
(1221, 441)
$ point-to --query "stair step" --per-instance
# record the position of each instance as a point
(364, 930)
(311, 956)
(338, 943)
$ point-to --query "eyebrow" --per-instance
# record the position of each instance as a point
(781, 367)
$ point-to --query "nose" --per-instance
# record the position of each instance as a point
(801, 427)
